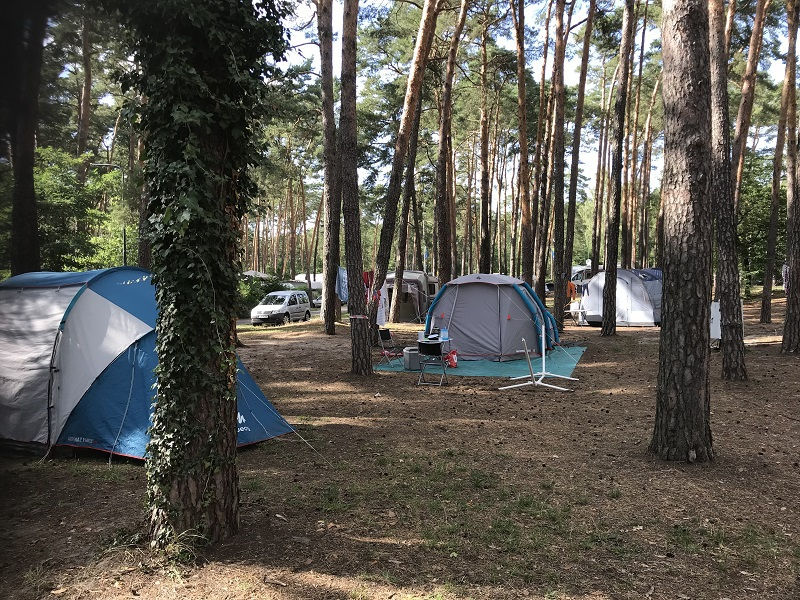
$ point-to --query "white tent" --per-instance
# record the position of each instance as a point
(638, 297)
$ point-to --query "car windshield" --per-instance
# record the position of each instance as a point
(273, 299)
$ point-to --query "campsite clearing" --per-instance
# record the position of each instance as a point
(454, 492)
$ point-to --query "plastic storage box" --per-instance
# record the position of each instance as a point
(411, 358)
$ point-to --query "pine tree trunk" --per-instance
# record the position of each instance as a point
(85, 114)
(523, 179)
(638, 209)
(402, 234)
(24, 92)
(644, 197)
(292, 232)
(356, 302)
(732, 343)
(466, 257)
(617, 134)
(731, 13)
(576, 144)
(625, 204)
(791, 326)
(599, 195)
(484, 255)
(543, 226)
(682, 429)
(777, 167)
(331, 192)
(443, 205)
(560, 277)
(427, 27)
(541, 142)
(746, 103)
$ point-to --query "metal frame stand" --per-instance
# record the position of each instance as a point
(538, 378)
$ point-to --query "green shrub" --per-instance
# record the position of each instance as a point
(252, 290)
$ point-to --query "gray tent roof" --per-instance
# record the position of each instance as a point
(490, 278)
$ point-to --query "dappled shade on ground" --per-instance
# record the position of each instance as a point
(455, 492)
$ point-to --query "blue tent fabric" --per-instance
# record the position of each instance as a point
(114, 413)
(121, 426)
(49, 279)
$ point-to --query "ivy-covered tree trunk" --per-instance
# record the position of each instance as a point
(682, 429)
(201, 68)
(732, 343)
(617, 136)
(28, 25)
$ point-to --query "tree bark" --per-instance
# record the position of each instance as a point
(576, 143)
(418, 233)
(682, 429)
(777, 167)
(599, 196)
(443, 204)
(25, 249)
(560, 277)
(746, 103)
(356, 301)
(644, 198)
(543, 225)
(732, 343)
(791, 326)
(729, 25)
(331, 192)
(523, 179)
(484, 255)
(409, 192)
(636, 210)
(427, 27)
(85, 114)
(618, 134)
(541, 125)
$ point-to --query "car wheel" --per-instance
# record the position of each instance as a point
(307, 316)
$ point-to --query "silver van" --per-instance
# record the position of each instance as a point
(282, 307)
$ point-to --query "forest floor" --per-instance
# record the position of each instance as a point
(462, 491)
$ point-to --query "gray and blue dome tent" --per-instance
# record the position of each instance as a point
(77, 353)
(487, 315)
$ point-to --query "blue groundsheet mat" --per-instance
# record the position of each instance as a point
(561, 361)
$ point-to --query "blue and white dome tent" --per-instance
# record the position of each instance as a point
(77, 353)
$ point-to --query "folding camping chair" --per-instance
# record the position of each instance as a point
(390, 351)
(430, 355)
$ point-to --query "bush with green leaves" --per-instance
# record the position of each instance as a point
(252, 290)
